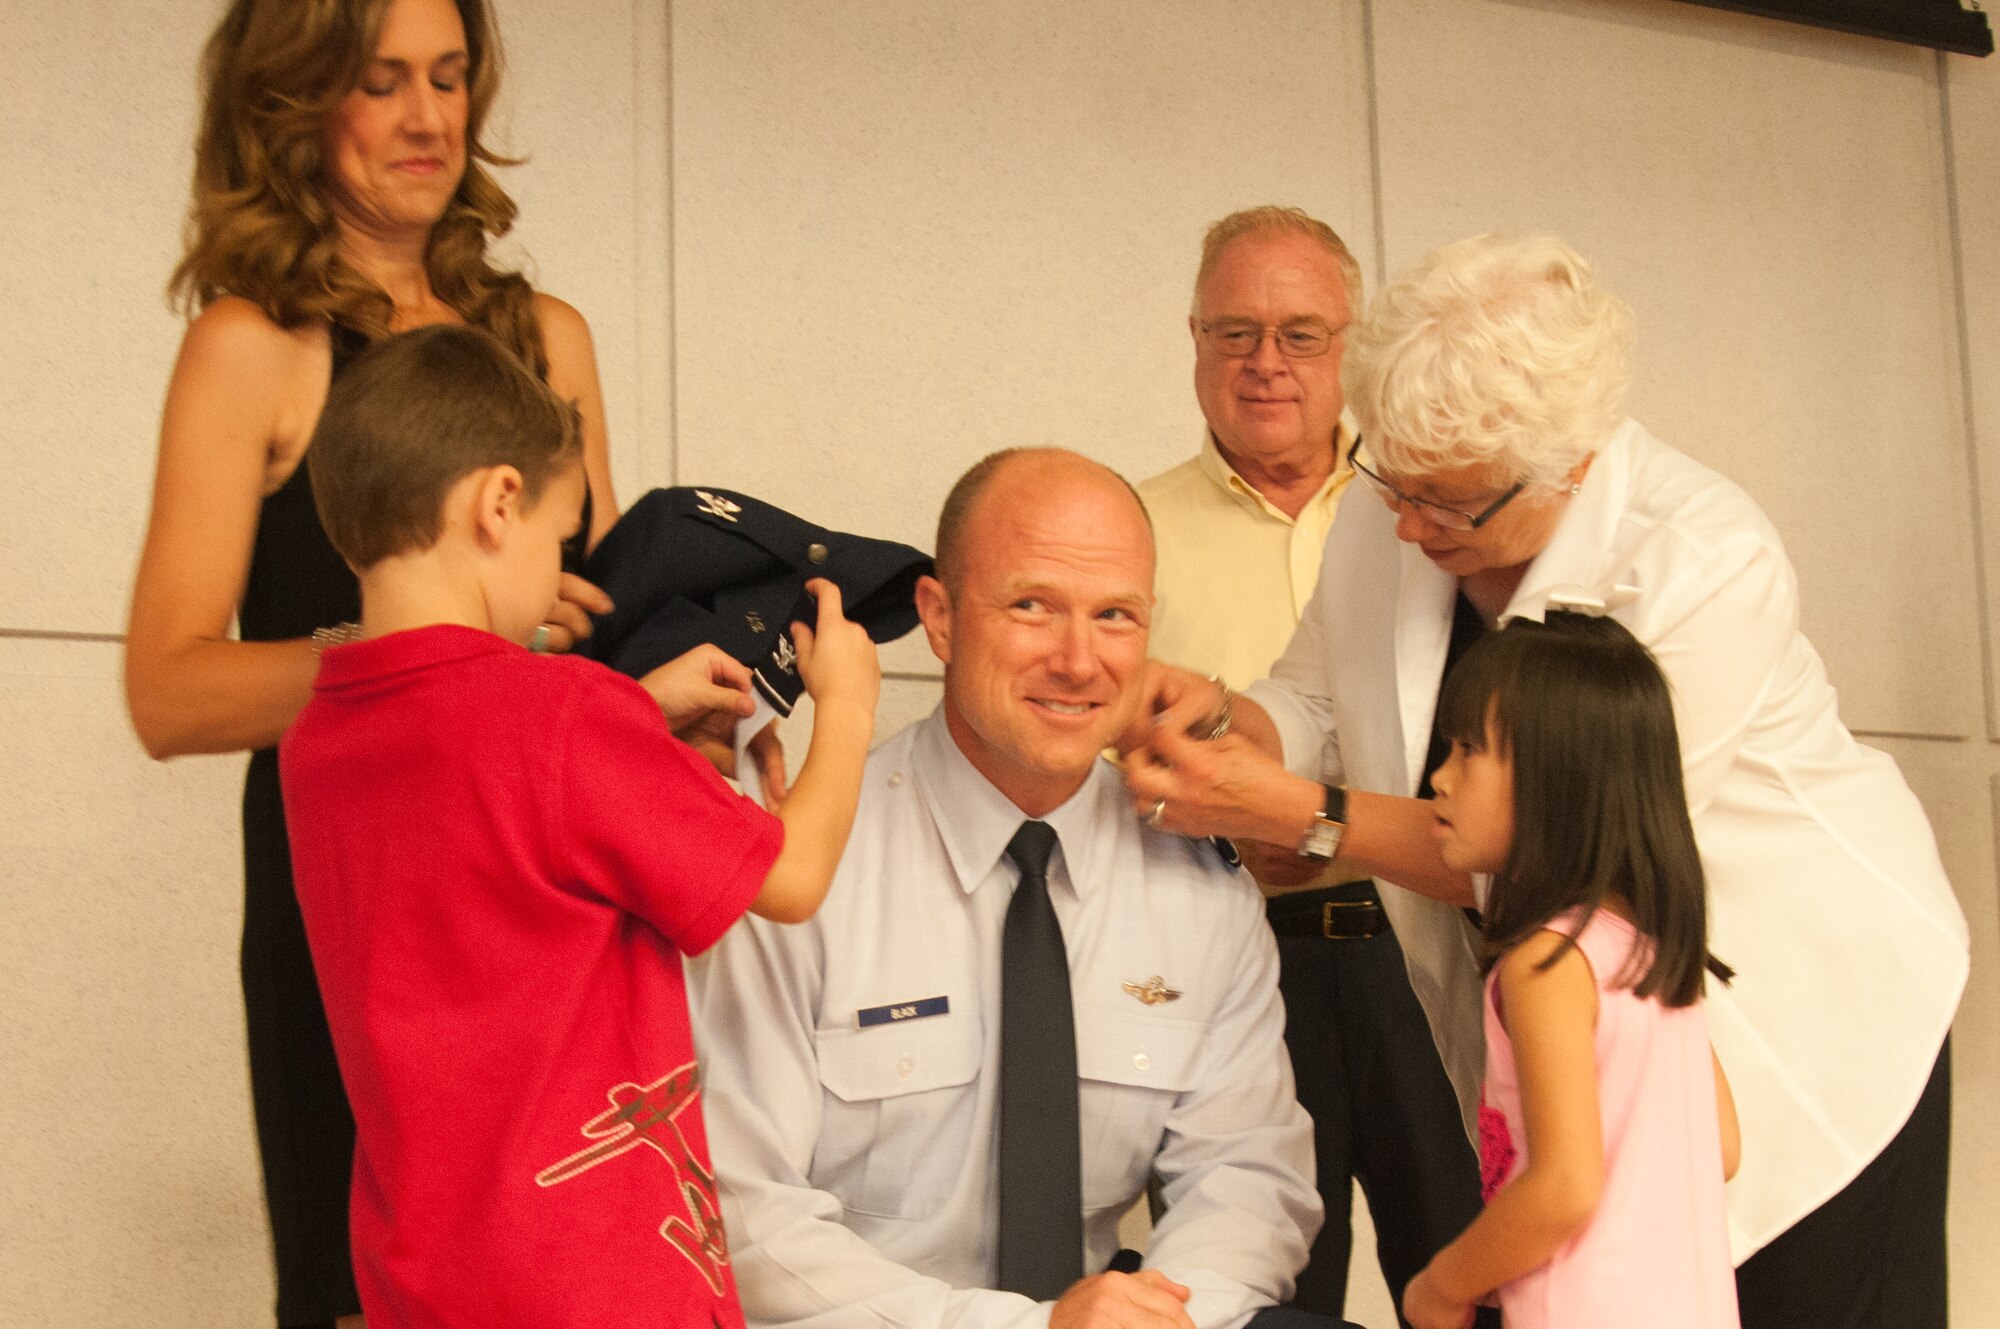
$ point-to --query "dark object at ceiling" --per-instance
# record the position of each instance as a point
(1942, 24)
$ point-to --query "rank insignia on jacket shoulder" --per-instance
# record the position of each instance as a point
(688, 566)
(715, 505)
(1153, 991)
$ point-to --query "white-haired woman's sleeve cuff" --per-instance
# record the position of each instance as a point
(1305, 728)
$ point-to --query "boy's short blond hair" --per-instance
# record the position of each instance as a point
(413, 415)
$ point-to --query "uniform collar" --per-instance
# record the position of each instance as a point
(1217, 468)
(975, 821)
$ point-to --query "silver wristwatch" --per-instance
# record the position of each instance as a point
(1322, 842)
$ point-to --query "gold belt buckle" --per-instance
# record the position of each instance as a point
(1326, 917)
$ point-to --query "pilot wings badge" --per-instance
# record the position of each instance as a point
(1153, 991)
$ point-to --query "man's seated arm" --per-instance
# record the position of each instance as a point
(755, 998)
(1235, 1164)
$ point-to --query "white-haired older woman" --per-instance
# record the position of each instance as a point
(1487, 382)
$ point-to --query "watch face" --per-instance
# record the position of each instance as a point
(1323, 840)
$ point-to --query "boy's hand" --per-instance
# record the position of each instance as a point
(707, 679)
(836, 659)
(1426, 1307)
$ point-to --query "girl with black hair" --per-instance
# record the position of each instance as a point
(1607, 1128)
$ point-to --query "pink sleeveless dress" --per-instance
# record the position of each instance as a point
(1656, 1253)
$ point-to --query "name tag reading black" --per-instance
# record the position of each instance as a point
(903, 1010)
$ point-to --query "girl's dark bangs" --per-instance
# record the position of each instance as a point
(1484, 681)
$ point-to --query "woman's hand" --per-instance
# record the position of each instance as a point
(1171, 696)
(1427, 1307)
(1228, 786)
(569, 617)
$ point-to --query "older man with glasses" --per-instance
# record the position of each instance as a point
(1490, 380)
(1240, 528)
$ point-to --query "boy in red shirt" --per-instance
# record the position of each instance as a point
(502, 857)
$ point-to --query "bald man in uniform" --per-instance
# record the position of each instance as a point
(890, 1100)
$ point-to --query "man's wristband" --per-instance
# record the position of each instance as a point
(1322, 840)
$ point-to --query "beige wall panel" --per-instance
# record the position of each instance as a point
(98, 114)
(592, 227)
(904, 702)
(908, 233)
(1959, 784)
(98, 187)
(1973, 87)
(132, 1193)
(1771, 200)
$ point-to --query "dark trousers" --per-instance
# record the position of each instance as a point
(1288, 1317)
(305, 1133)
(1873, 1256)
(1383, 1111)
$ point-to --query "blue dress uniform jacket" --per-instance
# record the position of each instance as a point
(689, 566)
(851, 1062)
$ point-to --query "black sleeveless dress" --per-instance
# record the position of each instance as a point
(305, 1131)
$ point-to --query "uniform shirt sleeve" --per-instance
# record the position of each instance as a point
(646, 823)
(1236, 1163)
(796, 1265)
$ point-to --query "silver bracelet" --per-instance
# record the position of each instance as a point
(1224, 713)
(338, 635)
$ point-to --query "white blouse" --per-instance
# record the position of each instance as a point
(1826, 892)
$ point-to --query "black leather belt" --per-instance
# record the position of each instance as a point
(1350, 911)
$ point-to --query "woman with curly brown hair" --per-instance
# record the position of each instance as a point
(341, 193)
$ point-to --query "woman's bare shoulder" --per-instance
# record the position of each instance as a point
(243, 375)
(234, 335)
(567, 342)
(565, 332)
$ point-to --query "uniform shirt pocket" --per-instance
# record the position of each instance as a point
(897, 1117)
(1132, 1066)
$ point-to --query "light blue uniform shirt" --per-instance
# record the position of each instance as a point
(857, 1153)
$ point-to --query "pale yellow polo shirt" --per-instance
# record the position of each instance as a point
(1234, 572)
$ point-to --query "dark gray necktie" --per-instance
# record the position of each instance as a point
(1041, 1166)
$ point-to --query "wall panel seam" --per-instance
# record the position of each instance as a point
(51, 634)
(1993, 824)
(1975, 494)
(1374, 147)
(669, 253)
